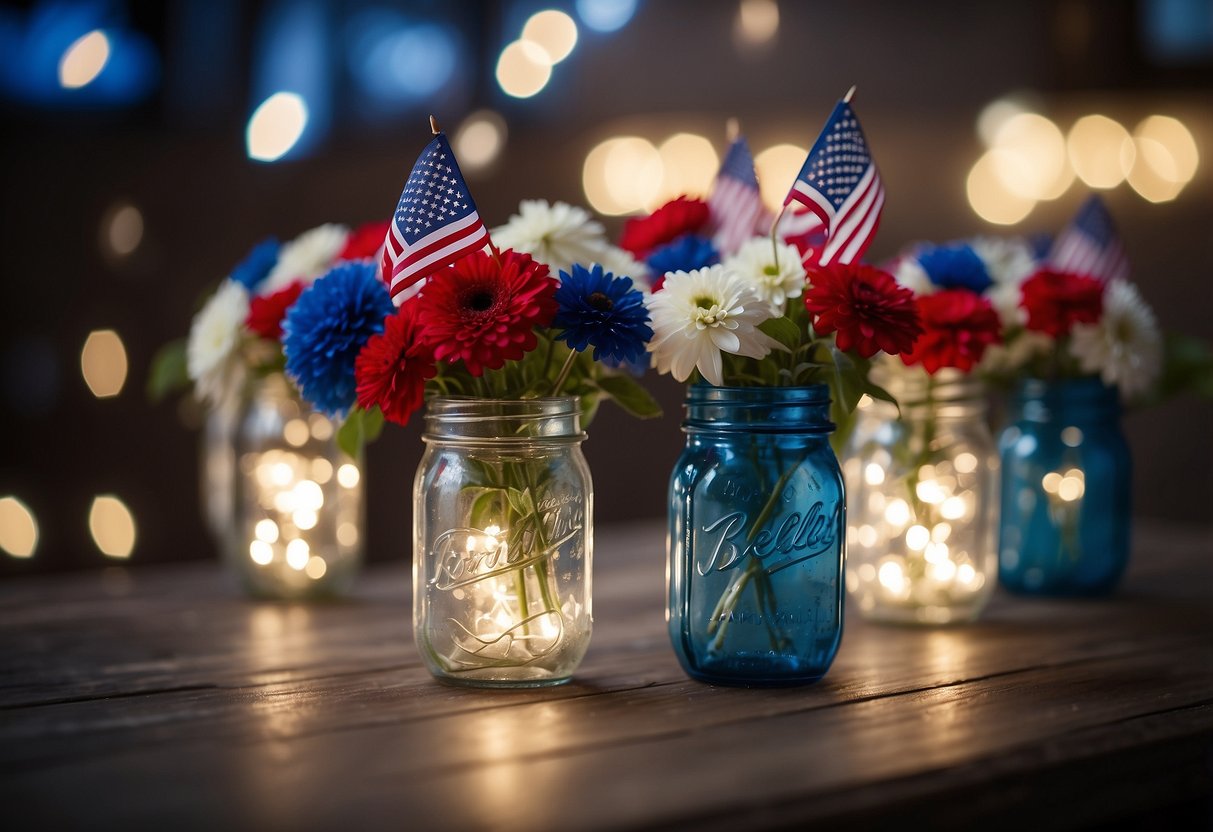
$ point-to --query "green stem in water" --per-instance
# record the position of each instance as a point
(564, 373)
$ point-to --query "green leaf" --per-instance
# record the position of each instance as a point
(360, 427)
(782, 330)
(168, 373)
(521, 501)
(630, 395)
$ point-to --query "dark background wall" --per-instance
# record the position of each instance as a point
(924, 70)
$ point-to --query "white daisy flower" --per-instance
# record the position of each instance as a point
(306, 257)
(701, 313)
(910, 274)
(773, 281)
(557, 234)
(1009, 262)
(212, 359)
(1125, 347)
(621, 264)
(1008, 359)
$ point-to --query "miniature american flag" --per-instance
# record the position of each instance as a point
(435, 223)
(839, 183)
(736, 203)
(1090, 244)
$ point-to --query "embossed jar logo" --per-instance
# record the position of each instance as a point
(779, 542)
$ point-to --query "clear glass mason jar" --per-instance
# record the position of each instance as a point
(922, 501)
(503, 542)
(218, 467)
(757, 520)
(297, 525)
(1066, 489)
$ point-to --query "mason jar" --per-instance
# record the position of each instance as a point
(922, 501)
(1066, 483)
(757, 522)
(503, 542)
(297, 521)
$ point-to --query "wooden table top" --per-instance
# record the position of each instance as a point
(158, 695)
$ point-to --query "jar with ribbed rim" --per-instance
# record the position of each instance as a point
(503, 542)
(1066, 489)
(922, 500)
(757, 520)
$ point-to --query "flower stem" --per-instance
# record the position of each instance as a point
(564, 373)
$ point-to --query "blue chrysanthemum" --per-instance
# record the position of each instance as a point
(250, 271)
(685, 254)
(326, 329)
(955, 266)
(603, 311)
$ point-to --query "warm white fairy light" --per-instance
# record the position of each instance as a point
(917, 537)
(897, 513)
(297, 554)
(261, 552)
(874, 474)
(348, 475)
(266, 530)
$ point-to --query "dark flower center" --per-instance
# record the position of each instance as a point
(601, 302)
(479, 301)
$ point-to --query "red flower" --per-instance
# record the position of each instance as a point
(958, 325)
(1057, 300)
(364, 241)
(392, 368)
(486, 314)
(865, 306)
(669, 222)
(265, 314)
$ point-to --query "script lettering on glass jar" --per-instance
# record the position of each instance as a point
(784, 541)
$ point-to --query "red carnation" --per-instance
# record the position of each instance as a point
(868, 309)
(957, 325)
(364, 241)
(1057, 300)
(392, 368)
(265, 314)
(486, 314)
(669, 222)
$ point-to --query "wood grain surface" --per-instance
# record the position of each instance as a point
(158, 696)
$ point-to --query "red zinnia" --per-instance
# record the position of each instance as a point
(957, 325)
(868, 309)
(669, 222)
(364, 241)
(1057, 300)
(392, 368)
(486, 314)
(265, 314)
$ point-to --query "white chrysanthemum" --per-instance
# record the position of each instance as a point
(557, 234)
(211, 353)
(1009, 262)
(1025, 347)
(701, 313)
(910, 274)
(1125, 347)
(773, 281)
(621, 264)
(306, 257)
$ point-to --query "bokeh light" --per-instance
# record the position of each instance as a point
(757, 22)
(18, 528)
(689, 165)
(480, 139)
(83, 61)
(1176, 140)
(276, 126)
(552, 31)
(989, 197)
(1100, 150)
(112, 526)
(622, 174)
(103, 363)
(121, 229)
(1034, 164)
(606, 15)
(1153, 173)
(994, 115)
(777, 167)
(523, 69)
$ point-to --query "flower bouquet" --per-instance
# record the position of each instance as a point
(510, 361)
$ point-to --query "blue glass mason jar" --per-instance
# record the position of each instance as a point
(1066, 478)
(757, 529)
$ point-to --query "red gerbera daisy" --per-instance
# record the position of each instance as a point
(364, 241)
(1057, 300)
(392, 368)
(265, 314)
(865, 306)
(669, 222)
(957, 325)
(486, 314)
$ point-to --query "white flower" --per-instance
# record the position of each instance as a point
(1007, 359)
(212, 360)
(774, 282)
(910, 274)
(1009, 262)
(698, 314)
(1125, 346)
(621, 264)
(306, 257)
(557, 234)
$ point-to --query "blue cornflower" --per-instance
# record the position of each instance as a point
(327, 328)
(685, 254)
(597, 309)
(253, 269)
(955, 266)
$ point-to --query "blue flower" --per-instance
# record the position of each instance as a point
(600, 310)
(327, 328)
(955, 266)
(685, 254)
(250, 271)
